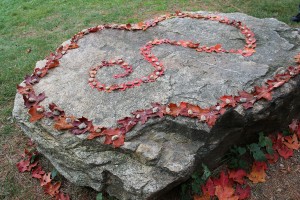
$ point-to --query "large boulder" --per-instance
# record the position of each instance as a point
(162, 152)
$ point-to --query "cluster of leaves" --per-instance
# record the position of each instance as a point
(30, 163)
(232, 182)
(116, 135)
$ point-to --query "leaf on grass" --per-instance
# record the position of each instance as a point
(46, 178)
(37, 172)
(62, 196)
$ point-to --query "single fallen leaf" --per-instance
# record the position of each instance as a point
(64, 122)
(96, 131)
(37, 172)
(205, 196)
(228, 100)
(263, 92)
(23, 165)
(258, 173)
(225, 193)
(52, 189)
(209, 187)
(36, 112)
(62, 196)
(46, 178)
(292, 142)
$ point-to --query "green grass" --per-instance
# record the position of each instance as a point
(42, 25)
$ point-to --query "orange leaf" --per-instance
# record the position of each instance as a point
(52, 189)
(36, 112)
(292, 142)
(62, 123)
(238, 176)
(225, 193)
(257, 174)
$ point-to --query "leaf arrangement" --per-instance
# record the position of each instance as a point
(30, 163)
(232, 184)
(116, 135)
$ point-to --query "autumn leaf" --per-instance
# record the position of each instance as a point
(23, 165)
(81, 126)
(173, 110)
(228, 101)
(143, 115)
(292, 142)
(62, 196)
(24, 90)
(209, 187)
(52, 189)
(114, 136)
(31, 99)
(238, 175)
(36, 112)
(225, 193)
(281, 148)
(223, 180)
(41, 72)
(64, 122)
(31, 80)
(45, 179)
(242, 192)
(37, 172)
(55, 113)
(263, 92)
(128, 123)
(258, 172)
(96, 131)
(205, 196)
(210, 117)
(52, 64)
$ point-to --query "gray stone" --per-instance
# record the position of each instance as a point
(161, 153)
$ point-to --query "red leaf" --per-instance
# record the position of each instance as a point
(282, 149)
(96, 131)
(45, 179)
(223, 180)
(128, 123)
(64, 123)
(61, 196)
(211, 117)
(52, 64)
(31, 99)
(173, 110)
(292, 142)
(246, 99)
(38, 172)
(114, 136)
(209, 187)
(263, 92)
(243, 193)
(238, 176)
(31, 80)
(228, 101)
(81, 126)
(52, 189)
(225, 193)
(41, 72)
(36, 112)
(24, 90)
(272, 158)
(23, 165)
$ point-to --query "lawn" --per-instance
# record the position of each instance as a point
(31, 29)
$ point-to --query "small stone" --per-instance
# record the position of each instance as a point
(100, 86)
(32, 100)
(144, 79)
(157, 73)
(98, 130)
(92, 75)
(115, 137)
(152, 77)
(190, 112)
(56, 112)
(107, 87)
(68, 120)
(218, 108)
(281, 165)
(128, 84)
(82, 126)
(168, 110)
(136, 82)
(227, 101)
(34, 80)
(155, 109)
(243, 100)
(91, 79)
(157, 63)
(153, 59)
(159, 68)
(202, 118)
(94, 83)
(138, 116)
(248, 34)
(121, 86)
(39, 73)
(40, 110)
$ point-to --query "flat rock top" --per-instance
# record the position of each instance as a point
(195, 77)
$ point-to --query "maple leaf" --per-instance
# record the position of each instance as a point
(209, 187)
(52, 189)
(258, 173)
(81, 126)
(223, 180)
(23, 165)
(45, 179)
(96, 131)
(64, 122)
(225, 193)
(55, 113)
(242, 193)
(238, 175)
(52, 64)
(272, 158)
(31, 99)
(114, 136)
(24, 90)
(37, 172)
(128, 123)
(36, 112)
(281, 148)
(228, 101)
(292, 142)
(211, 117)
(173, 110)
(263, 92)
(294, 125)
(31, 80)
(41, 72)
(143, 115)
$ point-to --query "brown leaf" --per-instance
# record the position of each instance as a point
(36, 113)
